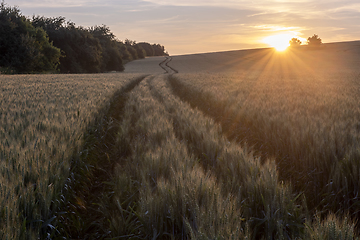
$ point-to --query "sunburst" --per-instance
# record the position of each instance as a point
(280, 42)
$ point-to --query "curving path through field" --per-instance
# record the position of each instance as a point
(165, 65)
(151, 65)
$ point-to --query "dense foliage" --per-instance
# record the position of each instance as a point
(48, 44)
(24, 47)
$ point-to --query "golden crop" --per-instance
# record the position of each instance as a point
(42, 120)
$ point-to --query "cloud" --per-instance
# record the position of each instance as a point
(51, 3)
(276, 28)
(221, 3)
(309, 9)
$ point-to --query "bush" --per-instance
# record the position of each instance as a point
(294, 42)
(314, 41)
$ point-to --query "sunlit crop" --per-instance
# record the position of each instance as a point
(299, 109)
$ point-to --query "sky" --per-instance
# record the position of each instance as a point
(199, 26)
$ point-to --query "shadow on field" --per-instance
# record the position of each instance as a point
(89, 184)
(340, 194)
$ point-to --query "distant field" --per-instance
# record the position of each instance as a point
(338, 57)
(250, 144)
(149, 65)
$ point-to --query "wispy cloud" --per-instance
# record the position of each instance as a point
(127, 5)
(276, 28)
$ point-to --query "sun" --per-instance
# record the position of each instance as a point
(280, 42)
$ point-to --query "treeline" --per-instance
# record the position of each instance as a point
(42, 44)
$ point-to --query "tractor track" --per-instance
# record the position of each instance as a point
(80, 217)
(165, 65)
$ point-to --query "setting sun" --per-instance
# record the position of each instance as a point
(280, 42)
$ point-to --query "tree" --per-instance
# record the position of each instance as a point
(294, 42)
(153, 50)
(130, 48)
(111, 55)
(159, 50)
(23, 47)
(125, 54)
(140, 52)
(314, 41)
(149, 51)
(82, 52)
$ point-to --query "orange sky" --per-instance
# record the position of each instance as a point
(194, 26)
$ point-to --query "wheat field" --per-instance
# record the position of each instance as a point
(43, 120)
(232, 145)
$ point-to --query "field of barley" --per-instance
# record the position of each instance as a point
(250, 144)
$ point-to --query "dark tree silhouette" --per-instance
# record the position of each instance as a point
(159, 50)
(314, 41)
(140, 51)
(149, 50)
(294, 42)
(111, 56)
(23, 47)
(82, 51)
